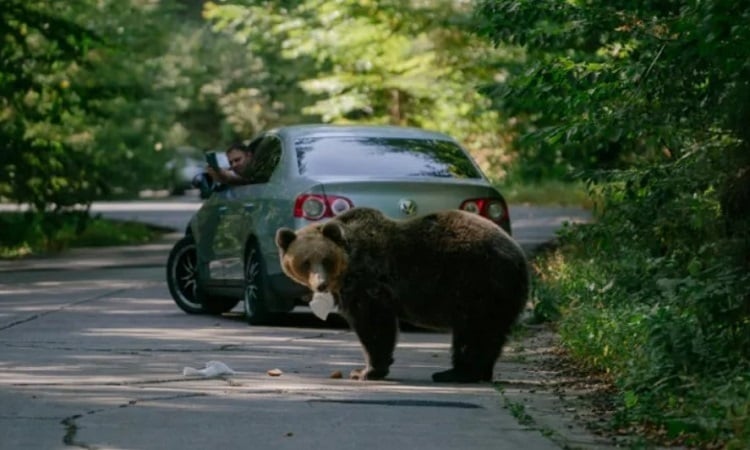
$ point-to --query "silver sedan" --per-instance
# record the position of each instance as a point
(310, 173)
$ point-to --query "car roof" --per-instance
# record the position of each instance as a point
(309, 130)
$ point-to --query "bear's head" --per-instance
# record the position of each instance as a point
(314, 256)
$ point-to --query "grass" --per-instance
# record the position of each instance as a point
(31, 234)
(106, 233)
(546, 193)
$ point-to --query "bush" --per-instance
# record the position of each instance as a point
(656, 293)
(27, 233)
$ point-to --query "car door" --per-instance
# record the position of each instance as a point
(246, 210)
(206, 224)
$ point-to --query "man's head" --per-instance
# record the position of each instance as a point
(239, 156)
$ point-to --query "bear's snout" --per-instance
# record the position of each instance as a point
(318, 279)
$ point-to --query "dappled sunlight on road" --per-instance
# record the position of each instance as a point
(89, 352)
(117, 334)
(145, 341)
(108, 348)
(58, 287)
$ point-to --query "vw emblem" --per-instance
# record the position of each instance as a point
(407, 206)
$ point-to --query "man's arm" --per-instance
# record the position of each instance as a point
(226, 176)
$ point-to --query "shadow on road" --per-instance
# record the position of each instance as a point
(301, 317)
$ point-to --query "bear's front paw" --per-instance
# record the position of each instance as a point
(367, 374)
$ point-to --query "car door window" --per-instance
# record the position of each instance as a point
(266, 157)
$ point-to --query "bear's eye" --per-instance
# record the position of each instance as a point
(305, 265)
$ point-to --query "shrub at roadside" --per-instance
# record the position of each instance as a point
(657, 294)
(32, 233)
(548, 192)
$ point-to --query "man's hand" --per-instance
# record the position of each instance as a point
(225, 176)
(215, 174)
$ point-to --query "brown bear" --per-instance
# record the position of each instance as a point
(450, 270)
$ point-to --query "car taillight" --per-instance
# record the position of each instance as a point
(492, 208)
(318, 206)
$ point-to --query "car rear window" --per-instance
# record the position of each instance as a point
(382, 156)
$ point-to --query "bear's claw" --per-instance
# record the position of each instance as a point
(367, 374)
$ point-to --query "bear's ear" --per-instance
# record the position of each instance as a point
(334, 232)
(284, 237)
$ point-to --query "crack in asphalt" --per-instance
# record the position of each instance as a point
(62, 308)
(71, 430)
(70, 438)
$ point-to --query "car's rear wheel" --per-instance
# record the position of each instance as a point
(183, 282)
(256, 295)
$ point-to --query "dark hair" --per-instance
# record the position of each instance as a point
(240, 145)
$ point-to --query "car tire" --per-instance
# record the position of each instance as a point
(183, 283)
(255, 290)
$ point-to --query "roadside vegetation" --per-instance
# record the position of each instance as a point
(646, 102)
(637, 109)
(547, 192)
(24, 234)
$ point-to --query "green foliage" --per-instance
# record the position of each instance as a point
(40, 112)
(34, 233)
(548, 192)
(648, 102)
(106, 233)
(97, 97)
(677, 347)
(405, 63)
(653, 294)
(609, 84)
(83, 111)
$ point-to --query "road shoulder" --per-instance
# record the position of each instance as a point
(543, 390)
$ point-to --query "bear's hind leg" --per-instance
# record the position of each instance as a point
(377, 329)
(475, 351)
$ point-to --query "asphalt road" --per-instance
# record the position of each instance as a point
(92, 356)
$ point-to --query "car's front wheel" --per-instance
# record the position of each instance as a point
(183, 283)
(255, 291)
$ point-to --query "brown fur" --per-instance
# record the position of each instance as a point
(450, 270)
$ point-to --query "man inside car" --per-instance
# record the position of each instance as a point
(240, 158)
